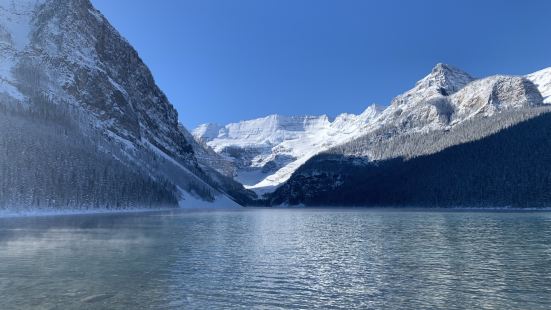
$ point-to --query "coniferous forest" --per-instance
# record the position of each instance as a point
(507, 169)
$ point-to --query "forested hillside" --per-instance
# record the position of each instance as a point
(46, 162)
(509, 168)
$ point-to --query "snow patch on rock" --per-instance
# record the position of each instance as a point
(542, 79)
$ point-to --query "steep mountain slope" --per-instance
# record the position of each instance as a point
(207, 158)
(266, 151)
(61, 59)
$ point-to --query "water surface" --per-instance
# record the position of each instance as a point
(278, 259)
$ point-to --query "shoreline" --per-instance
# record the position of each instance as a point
(405, 208)
(73, 212)
(106, 212)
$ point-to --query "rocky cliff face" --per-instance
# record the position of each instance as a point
(64, 53)
(73, 54)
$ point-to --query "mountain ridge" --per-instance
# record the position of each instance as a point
(278, 144)
(442, 99)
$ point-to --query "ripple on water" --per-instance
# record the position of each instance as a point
(329, 258)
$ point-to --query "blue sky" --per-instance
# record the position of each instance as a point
(228, 60)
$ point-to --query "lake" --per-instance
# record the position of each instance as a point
(278, 259)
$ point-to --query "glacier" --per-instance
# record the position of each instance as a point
(266, 151)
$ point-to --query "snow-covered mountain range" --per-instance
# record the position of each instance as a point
(63, 57)
(266, 151)
(85, 126)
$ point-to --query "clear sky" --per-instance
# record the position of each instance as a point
(228, 60)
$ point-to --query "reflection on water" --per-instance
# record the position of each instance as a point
(301, 259)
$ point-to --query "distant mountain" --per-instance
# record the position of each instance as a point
(84, 126)
(267, 151)
(420, 150)
(83, 123)
(425, 109)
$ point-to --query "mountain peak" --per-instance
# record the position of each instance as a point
(443, 67)
(63, 65)
(443, 80)
(446, 78)
(445, 70)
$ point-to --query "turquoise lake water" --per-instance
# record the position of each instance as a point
(278, 259)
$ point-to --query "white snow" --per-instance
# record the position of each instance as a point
(188, 201)
(287, 141)
(6, 80)
(15, 28)
(15, 18)
(542, 79)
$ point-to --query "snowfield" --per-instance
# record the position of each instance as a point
(268, 150)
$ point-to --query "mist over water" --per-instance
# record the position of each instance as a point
(277, 258)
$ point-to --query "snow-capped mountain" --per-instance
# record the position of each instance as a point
(501, 100)
(63, 56)
(266, 151)
(440, 112)
(444, 99)
(448, 96)
(504, 164)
